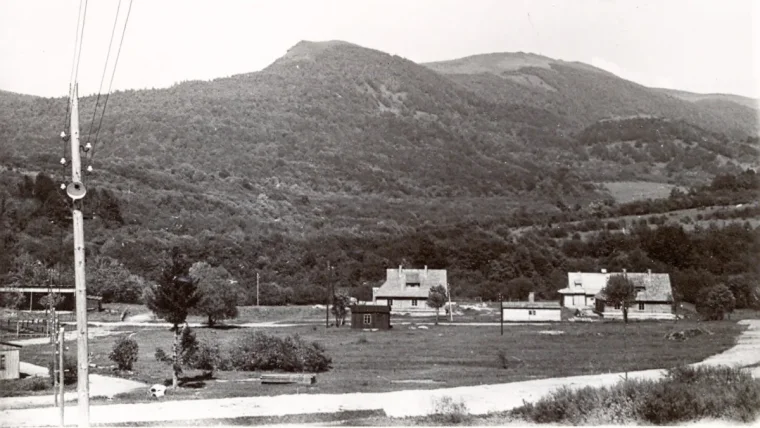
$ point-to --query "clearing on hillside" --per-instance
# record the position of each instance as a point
(628, 191)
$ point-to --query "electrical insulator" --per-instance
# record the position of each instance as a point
(63, 161)
(87, 147)
(63, 134)
(89, 168)
(63, 186)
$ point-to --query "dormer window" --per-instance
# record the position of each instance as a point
(412, 284)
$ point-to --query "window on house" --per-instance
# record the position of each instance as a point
(2, 362)
(617, 305)
(390, 302)
(531, 312)
(412, 284)
(641, 306)
(414, 302)
(367, 319)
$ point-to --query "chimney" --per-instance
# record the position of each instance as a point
(426, 270)
(399, 271)
(531, 297)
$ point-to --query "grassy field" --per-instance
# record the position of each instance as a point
(438, 357)
(628, 191)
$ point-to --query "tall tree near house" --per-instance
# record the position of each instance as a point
(219, 292)
(620, 291)
(172, 299)
(437, 299)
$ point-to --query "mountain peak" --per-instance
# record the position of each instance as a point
(306, 50)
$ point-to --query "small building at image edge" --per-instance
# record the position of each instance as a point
(9, 360)
(371, 316)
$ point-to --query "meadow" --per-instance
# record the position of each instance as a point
(442, 356)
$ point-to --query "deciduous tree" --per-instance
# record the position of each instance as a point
(620, 291)
(437, 299)
(715, 302)
(219, 292)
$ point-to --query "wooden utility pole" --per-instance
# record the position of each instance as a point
(451, 308)
(257, 289)
(76, 192)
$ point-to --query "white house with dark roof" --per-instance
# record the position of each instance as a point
(654, 294)
(406, 290)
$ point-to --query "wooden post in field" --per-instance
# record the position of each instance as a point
(327, 303)
(60, 372)
(257, 289)
(76, 192)
(451, 308)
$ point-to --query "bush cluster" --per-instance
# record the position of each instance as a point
(124, 353)
(259, 351)
(69, 370)
(684, 394)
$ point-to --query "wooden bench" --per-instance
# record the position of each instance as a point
(288, 378)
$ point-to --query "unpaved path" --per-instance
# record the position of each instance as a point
(479, 399)
(100, 386)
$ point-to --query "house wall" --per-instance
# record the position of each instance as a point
(523, 314)
(11, 369)
(575, 301)
(379, 320)
(656, 308)
(403, 303)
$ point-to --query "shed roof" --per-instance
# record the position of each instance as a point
(531, 305)
(8, 346)
(367, 309)
(396, 280)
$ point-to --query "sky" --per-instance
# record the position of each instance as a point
(704, 46)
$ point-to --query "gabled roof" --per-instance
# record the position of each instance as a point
(396, 280)
(656, 287)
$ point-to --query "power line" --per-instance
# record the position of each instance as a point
(81, 41)
(105, 67)
(76, 47)
(110, 85)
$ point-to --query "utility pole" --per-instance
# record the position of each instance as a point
(76, 192)
(61, 334)
(501, 313)
(257, 289)
(451, 308)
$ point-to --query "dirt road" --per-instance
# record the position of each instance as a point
(479, 399)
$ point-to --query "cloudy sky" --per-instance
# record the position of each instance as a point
(697, 45)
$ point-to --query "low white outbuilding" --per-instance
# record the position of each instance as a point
(531, 311)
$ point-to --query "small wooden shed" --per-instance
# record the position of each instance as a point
(9, 360)
(371, 316)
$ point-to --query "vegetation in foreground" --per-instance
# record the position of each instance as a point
(684, 394)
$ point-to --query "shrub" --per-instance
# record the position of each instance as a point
(69, 369)
(207, 357)
(20, 387)
(259, 351)
(448, 412)
(684, 394)
(124, 353)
